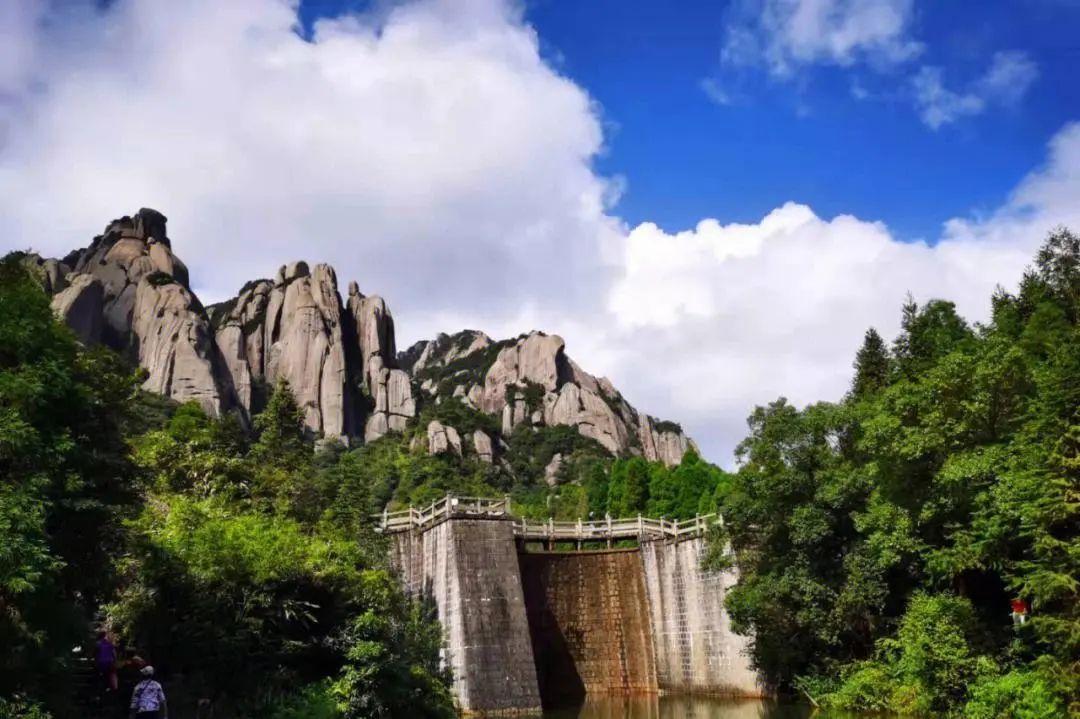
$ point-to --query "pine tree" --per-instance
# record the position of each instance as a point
(281, 429)
(871, 365)
(1058, 264)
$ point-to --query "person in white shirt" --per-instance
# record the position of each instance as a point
(148, 699)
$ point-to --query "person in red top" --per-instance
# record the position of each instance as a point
(1019, 612)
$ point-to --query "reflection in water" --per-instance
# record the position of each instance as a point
(673, 707)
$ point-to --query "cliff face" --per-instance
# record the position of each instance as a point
(128, 290)
(293, 328)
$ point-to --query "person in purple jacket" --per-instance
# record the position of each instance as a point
(148, 699)
(105, 658)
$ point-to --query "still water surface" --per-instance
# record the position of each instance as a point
(686, 708)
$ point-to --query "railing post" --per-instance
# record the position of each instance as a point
(506, 505)
(640, 528)
(608, 516)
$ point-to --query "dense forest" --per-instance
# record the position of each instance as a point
(883, 539)
(241, 562)
(241, 565)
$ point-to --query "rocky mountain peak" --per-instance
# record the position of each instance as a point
(128, 289)
(531, 380)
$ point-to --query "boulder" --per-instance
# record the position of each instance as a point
(443, 439)
(551, 471)
(482, 444)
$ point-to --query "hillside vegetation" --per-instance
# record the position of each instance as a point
(881, 539)
(240, 561)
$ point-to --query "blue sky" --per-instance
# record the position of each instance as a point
(805, 138)
(786, 170)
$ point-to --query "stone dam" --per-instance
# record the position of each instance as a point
(527, 629)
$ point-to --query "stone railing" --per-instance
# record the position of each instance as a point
(605, 530)
(609, 529)
(441, 510)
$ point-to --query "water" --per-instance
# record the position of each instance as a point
(672, 707)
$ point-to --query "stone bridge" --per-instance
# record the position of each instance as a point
(527, 628)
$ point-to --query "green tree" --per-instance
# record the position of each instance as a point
(871, 365)
(65, 484)
(879, 541)
(280, 428)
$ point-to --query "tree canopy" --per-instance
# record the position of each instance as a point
(881, 540)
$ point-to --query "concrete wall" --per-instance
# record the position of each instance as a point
(696, 651)
(589, 623)
(559, 626)
(469, 568)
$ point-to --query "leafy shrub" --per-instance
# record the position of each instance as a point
(1020, 694)
(16, 708)
(927, 668)
(667, 426)
(867, 686)
(314, 701)
(160, 279)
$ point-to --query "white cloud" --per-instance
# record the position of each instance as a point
(431, 154)
(788, 34)
(18, 22)
(714, 320)
(1005, 82)
(419, 150)
(715, 92)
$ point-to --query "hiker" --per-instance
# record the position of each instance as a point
(148, 699)
(1019, 612)
(105, 658)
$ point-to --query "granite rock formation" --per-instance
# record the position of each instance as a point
(531, 380)
(388, 387)
(293, 329)
(128, 290)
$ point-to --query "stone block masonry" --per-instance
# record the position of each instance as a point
(525, 629)
(469, 568)
(696, 650)
(589, 622)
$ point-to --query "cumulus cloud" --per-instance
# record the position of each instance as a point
(1004, 83)
(18, 22)
(429, 152)
(716, 319)
(420, 150)
(788, 34)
